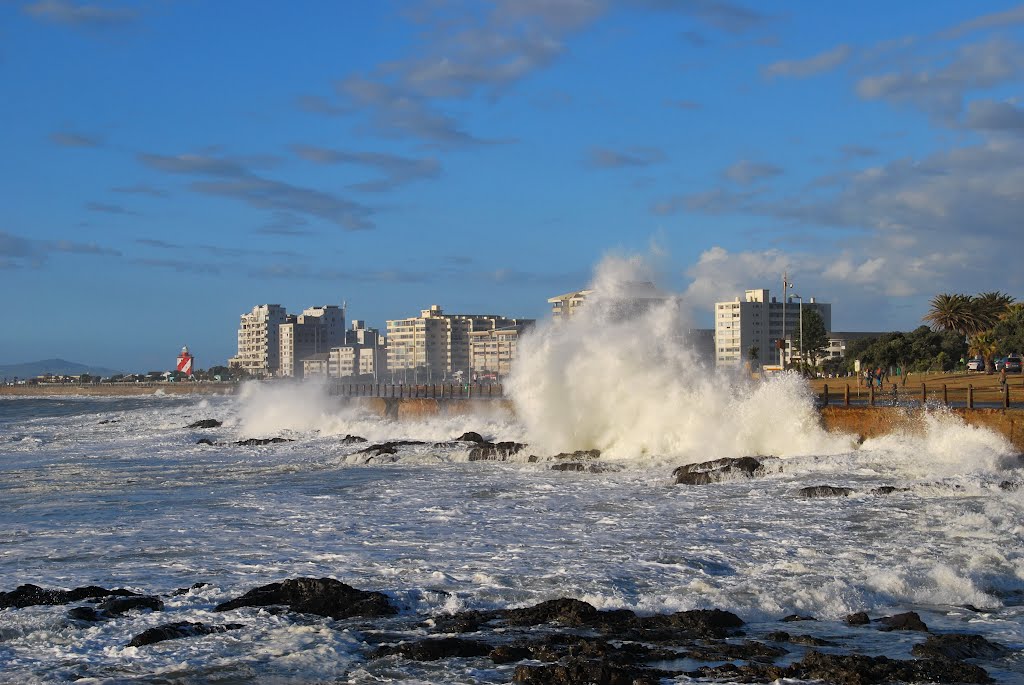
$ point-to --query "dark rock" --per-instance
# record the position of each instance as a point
(185, 590)
(569, 466)
(705, 623)
(116, 606)
(825, 491)
(579, 454)
(108, 421)
(796, 617)
(388, 447)
(857, 669)
(571, 612)
(506, 654)
(494, 451)
(470, 436)
(725, 651)
(206, 423)
(464, 622)
(85, 614)
(320, 596)
(806, 640)
(33, 595)
(205, 441)
(717, 470)
(858, 619)
(436, 648)
(959, 646)
(747, 673)
(251, 442)
(352, 439)
(888, 490)
(585, 671)
(1009, 486)
(907, 621)
(175, 631)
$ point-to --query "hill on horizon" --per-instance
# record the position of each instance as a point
(58, 367)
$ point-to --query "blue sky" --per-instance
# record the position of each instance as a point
(169, 164)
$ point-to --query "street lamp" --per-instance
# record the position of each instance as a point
(797, 297)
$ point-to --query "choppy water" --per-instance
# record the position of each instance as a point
(137, 503)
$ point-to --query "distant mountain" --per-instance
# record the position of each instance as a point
(58, 367)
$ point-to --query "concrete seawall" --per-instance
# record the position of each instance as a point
(867, 422)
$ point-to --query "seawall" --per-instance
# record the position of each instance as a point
(867, 422)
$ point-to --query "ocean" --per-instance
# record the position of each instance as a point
(116, 492)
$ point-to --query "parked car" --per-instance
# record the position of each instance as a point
(1013, 364)
(999, 363)
(976, 364)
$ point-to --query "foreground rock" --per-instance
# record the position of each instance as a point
(959, 646)
(816, 491)
(470, 436)
(495, 451)
(717, 470)
(436, 648)
(32, 595)
(116, 606)
(908, 621)
(320, 596)
(206, 423)
(176, 631)
(251, 442)
(388, 447)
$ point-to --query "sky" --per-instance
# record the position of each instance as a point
(169, 164)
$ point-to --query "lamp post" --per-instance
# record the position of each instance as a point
(786, 285)
(802, 367)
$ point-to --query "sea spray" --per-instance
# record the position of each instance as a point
(621, 376)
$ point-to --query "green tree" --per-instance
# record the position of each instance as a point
(991, 308)
(983, 344)
(1009, 332)
(812, 336)
(954, 313)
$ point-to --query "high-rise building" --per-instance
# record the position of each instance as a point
(363, 354)
(258, 340)
(435, 345)
(315, 331)
(493, 351)
(757, 321)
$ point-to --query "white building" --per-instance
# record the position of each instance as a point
(629, 299)
(313, 332)
(492, 352)
(434, 345)
(363, 354)
(757, 321)
(259, 341)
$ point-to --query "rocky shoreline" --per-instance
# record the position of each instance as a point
(565, 641)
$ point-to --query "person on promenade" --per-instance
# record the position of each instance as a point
(1002, 377)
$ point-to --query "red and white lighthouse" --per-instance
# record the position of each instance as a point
(185, 360)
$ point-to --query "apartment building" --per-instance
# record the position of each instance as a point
(630, 299)
(259, 350)
(363, 354)
(493, 351)
(315, 331)
(435, 345)
(758, 320)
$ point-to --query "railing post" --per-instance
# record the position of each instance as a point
(871, 395)
(824, 394)
(924, 394)
(945, 396)
(846, 396)
(970, 397)
(1006, 396)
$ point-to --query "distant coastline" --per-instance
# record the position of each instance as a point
(116, 389)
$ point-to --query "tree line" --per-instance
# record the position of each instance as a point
(988, 325)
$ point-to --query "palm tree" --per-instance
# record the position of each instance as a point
(992, 307)
(984, 345)
(954, 312)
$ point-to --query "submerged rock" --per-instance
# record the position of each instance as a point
(435, 648)
(888, 490)
(261, 441)
(857, 669)
(470, 436)
(178, 630)
(32, 595)
(579, 454)
(494, 451)
(858, 619)
(352, 439)
(85, 614)
(185, 590)
(206, 423)
(816, 491)
(959, 646)
(907, 621)
(577, 671)
(388, 447)
(205, 441)
(116, 606)
(717, 470)
(320, 596)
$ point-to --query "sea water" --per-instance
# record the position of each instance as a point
(116, 492)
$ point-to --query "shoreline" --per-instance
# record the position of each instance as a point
(111, 390)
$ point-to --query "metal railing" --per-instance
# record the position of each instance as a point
(437, 391)
(893, 394)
